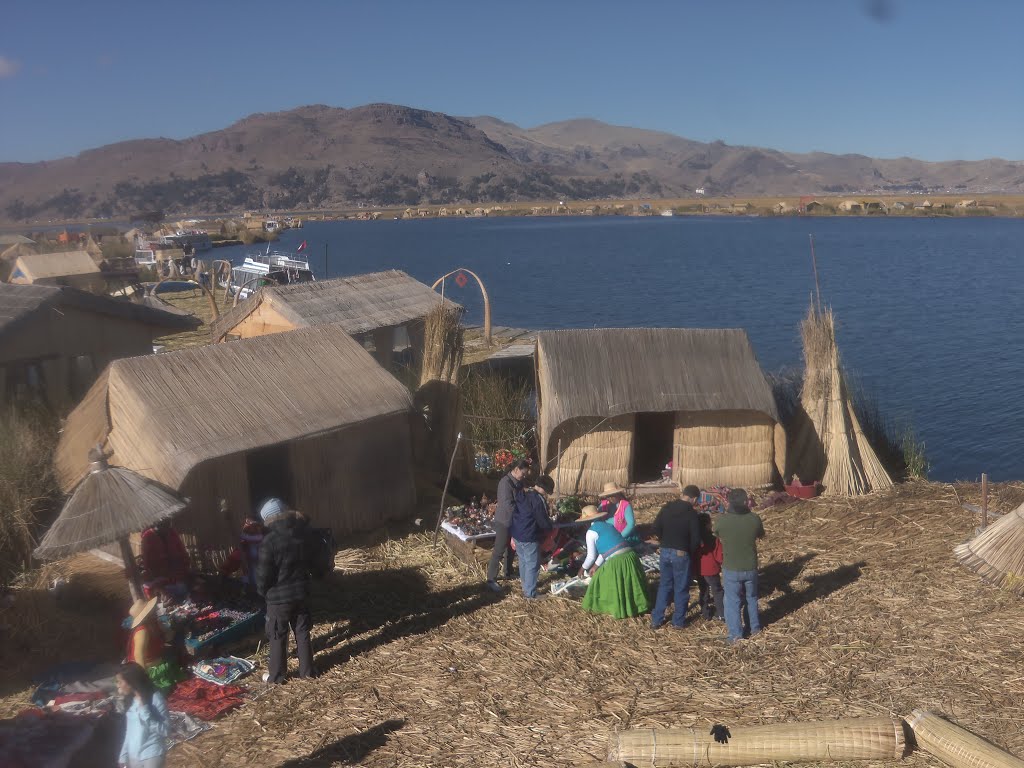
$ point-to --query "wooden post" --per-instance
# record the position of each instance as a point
(444, 493)
(134, 582)
(984, 501)
(558, 458)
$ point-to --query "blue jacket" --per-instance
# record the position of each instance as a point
(530, 517)
(146, 734)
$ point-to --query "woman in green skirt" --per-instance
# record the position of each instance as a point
(618, 586)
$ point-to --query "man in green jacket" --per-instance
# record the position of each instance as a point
(739, 529)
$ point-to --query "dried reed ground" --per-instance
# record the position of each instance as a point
(867, 613)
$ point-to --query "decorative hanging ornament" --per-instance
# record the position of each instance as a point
(461, 279)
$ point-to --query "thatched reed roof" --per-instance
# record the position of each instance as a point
(358, 304)
(997, 553)
(110, 503)
(6, 240)
(613, 371)
(162, 415)
(39, 266)
(20, 303)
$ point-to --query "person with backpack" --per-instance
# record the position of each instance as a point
(286, 566)
(530, 523)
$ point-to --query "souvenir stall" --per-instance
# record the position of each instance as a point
(75, 708)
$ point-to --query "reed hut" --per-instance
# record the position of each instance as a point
(828, 442)
(75, 269)
(376, 309)
(53, 341)
(307, 416)
(623, 403)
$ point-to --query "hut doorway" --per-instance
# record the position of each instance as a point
(652, 445)
(269, 471)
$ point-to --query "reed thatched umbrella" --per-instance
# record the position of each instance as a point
(109, 505)
(997, 553)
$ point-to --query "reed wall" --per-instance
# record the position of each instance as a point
(735, 448)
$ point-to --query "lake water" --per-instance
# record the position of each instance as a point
(929, 311)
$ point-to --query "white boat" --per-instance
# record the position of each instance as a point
(268, 267)
(667, 212)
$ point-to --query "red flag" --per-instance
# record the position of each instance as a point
(461, 279)
(301, 247)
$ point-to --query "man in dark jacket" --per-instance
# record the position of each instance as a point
(509, 488)
(282, 579)
(678, 530)
(530, 521)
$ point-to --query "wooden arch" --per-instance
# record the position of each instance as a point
(483, 292)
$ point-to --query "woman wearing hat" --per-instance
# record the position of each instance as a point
(618, 586)
(613, 498)
(146, 643)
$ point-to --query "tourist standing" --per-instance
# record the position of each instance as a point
(618, 586)
(282, 579)
(678, 530)
(739, 529)
(509, 488)
(530, 523)
(147, 720)
(709, 571)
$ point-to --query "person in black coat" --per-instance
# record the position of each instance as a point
(283, 577)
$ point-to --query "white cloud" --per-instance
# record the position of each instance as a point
(8, 67)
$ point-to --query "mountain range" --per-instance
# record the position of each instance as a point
(382, 154)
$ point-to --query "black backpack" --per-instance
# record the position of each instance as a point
(322, 552)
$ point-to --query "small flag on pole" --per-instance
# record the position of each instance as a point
(301, 247)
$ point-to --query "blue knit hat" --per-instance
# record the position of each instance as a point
(272, 508)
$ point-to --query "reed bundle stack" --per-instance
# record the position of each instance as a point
(997, 553)
(830, 444)
(877, 738)
(956, 746)
(438, 395)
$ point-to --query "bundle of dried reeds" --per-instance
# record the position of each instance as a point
(997, 553)
(444, 344)
(832, 445)
(876, 738)
(957, 746)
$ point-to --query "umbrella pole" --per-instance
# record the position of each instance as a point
(134, 583)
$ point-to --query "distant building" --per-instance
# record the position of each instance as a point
(812, 206)
(899, 206)
(54, 341)
(782, 207)
(967, 204)
(699, 191)
(850, 206)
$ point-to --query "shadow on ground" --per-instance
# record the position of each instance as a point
(349, 750)
(370, 608)
(819, 585)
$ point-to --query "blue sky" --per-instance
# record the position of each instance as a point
(934, 79)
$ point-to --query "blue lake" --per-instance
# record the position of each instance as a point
(929, 311)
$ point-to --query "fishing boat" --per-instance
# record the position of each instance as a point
(268, 267)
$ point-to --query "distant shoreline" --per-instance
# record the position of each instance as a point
(871, 206)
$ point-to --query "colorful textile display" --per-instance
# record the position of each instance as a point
(222, 671)
(74, 677)
(471, 521)
(203, 699)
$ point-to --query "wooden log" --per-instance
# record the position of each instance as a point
(957, 746)
(876, 738)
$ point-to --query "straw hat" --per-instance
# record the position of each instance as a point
(610, 489)
(590, 512)
(141, 610)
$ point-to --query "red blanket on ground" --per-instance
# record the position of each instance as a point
(204, 700)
